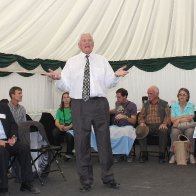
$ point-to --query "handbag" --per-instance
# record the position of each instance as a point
(182, 150)
(186, 125)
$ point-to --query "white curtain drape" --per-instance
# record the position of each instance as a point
(122, 29)
(40, 93)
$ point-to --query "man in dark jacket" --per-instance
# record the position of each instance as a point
(10, 146)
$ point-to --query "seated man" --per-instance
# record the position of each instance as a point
(155, 114)
(19, 114)
(9, 145)
(125, 116)
(18, 111)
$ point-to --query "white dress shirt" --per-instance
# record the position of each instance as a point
(101, 76)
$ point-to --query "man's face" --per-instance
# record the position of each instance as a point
(120, 98)
(86, 44)
(152, 95)
(17, 96)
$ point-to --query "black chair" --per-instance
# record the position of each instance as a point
(28, 117)
(48, 122)
(28, 128)
(153, 142)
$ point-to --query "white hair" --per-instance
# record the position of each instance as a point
(155, 88)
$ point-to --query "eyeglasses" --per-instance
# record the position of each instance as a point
(184, 95)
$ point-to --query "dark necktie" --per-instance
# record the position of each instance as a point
(86, 81)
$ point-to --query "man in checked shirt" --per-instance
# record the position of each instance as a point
(155, 114)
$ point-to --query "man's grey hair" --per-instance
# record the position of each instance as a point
(155, 88)
(85, 34)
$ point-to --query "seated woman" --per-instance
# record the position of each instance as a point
(182, 111)
(63, 123)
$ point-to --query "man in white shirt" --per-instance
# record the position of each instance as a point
(91, 109)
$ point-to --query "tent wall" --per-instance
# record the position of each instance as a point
(40, 93)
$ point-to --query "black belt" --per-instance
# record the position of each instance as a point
(95, 97)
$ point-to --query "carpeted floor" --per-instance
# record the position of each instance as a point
(136, 179)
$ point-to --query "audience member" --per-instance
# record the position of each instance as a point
(63, 124)
(18, 111)
(125, 115)
(155, 114)
(19, 114)
(87, 76)
(9, 145)
(182, 112)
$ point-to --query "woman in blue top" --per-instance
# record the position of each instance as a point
(182, 111)
(63, 123)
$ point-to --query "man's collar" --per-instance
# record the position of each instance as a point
(84, 55)
(155, 102)
(12, 105)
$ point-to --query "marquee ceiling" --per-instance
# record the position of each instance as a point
(122, 29)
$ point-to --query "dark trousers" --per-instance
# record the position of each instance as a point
(94, 112)
(22, 152)
(58, 136)
(163, 137)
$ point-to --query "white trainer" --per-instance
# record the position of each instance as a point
(192, 159)
(172, 159)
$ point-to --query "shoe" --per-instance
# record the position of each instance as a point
(112, 184)
(116, 158)
(143, 157)
(129, 159)
(161, 157)
(192, 159)
(85, 188)
(29, 187)
(172, 159)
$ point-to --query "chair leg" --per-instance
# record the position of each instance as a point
(39, 177)
(54, 154)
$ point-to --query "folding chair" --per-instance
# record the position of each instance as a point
(48, 121)
(36, 129)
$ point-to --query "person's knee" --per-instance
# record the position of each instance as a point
(175, 132)
(189, 132)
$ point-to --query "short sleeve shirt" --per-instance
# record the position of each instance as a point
(176, 110)
(128, 108)
(64, 116)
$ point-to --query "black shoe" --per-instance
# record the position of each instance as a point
(116, 158)
(85, 188)
(112, 184)
(129, 159)
(143, 157)
(29, 187)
